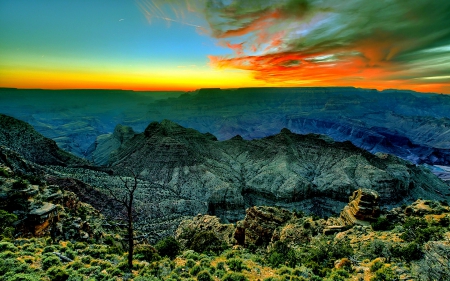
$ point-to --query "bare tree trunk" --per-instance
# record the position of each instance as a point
(130, 237)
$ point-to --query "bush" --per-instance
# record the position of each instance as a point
(20, 184)
(168, 247)
(384, 274)
(191, 255)
(49, 249)
(221, 265)
(86, 259)
(376, 265)
(204, 276)
(7, 246)
(409, 252)
(50, 261)
(338, 275)
(219, 273)
(235, 265)
(282, 254)
(284, 270)
(6, 223)
(80, 246)
(190, 263)
(378, 248)
(207, 241)
(382, 223)
(195, 270)
(234, 276)
(146, 252)
(4, 173)
(23, 277)
(57, 274)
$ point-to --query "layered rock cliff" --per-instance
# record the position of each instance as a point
(305, 172)
(25, 140)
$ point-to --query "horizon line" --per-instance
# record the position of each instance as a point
(217, 88)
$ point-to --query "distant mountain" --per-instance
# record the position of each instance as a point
(411, 125)
(25, 140)
(305, 172)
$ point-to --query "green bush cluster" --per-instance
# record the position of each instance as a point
(168, 247)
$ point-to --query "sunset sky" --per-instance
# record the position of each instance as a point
(186, 45)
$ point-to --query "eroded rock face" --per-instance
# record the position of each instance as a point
(25, 140)
(259, 225)
(362, 208)
(100, 151)
(304, 172)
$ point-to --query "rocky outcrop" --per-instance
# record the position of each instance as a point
(100, 151)
(202, 223)
(304, 172)
(362, 208)
(25, 140)
(259, 225)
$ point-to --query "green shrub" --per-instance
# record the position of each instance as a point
(49, 249)
(70, 254)
(6, 264)
(190, 263)
(284, 270)
(6, 224)
(234, 276)
(146, 252)
(219, 273)
(338, 275)
(235, 264)
(86, 259)
(76, 265)
(418, 230)
(80, 246)
(56, 273)
(7, 255)
(195, 270)
(191, 255)
(20, 184)
(382, 223)
(204, 276)
(23, 277)
(168, 247)
(376, 265)
(96, 252)
(207, 241)
(384, 274)
(50, 261)
(4, 173)
(221, 265)
(205, 262)
(7, 246)
(409, 252)
(378, 248)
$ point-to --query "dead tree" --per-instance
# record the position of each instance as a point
(125, 197)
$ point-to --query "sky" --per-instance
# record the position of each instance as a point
(191, 44)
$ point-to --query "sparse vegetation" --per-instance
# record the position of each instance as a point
(413, 247)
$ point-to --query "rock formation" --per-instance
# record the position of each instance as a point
(304, 172)
(202, 223)
(362, 208)
(23, 139)
(259, 225)
(100, 151)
